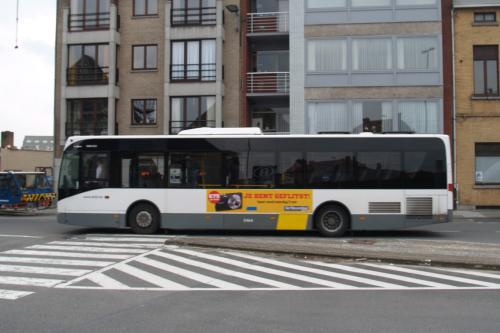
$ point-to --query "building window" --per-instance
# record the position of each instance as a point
(417, 53)
(191, 112)
(89, 15)
(486, 70)
(371, 3)
(193, 60)
(415, 2)
(87, 64)
(314, 4)
(143, 111)
(373, 54)
(329, 117)
(194, 12)
(326, 55)
(145, 7)
(487, 163)
(87, 117)
(481, 18)
(418, 117)
(144, 57)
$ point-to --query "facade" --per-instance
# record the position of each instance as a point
(32, 142)
(145, 67)
(26, 159)
(347, 66)
(477, 39)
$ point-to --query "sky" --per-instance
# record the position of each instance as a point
(27, 73)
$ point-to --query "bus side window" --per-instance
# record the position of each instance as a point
(95, 170)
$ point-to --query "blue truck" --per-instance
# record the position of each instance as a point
(25, 191)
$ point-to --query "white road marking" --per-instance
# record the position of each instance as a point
(319, 271)
(25, 281)
(463, 271)
(437, 276)
(384, 275)
(56, 261)
(13, 294)
(128, 245)
(245, 265)
(43, 270)
(225, 271)
(450, 231)
(125, 239)
(118, 236)
(191, 275)
(68, 254)
(85, 249)
(149, 277)
(20, 236)
(106, 282)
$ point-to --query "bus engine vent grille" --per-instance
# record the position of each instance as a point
(384, 207)
(419, 206)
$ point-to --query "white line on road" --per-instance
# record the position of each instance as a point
(106, 282)
(436, 275)
(85, 249)
(463, 271)
(127, 245)
(319, 271)
(190, 274)
(125, 239)
(20, 236)
(43, 270)
(24, 281)
(68, 254)
(92, 263)
(13, 294)
(149, 277)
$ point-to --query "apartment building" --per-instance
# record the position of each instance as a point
(476, 43)
(145, 67)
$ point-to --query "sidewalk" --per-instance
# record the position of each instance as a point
(476, 214)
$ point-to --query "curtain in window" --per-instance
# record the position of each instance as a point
(415, 2)
(177, 60)
(357, 117)
(418, 53)
(418, 116)
(372, 54)
(387, 122)
(326, 3)
(328, 117)
(326, 55)
(208, 107)
(371, 3)
(193, 60)
(208, 52)
(76, 6)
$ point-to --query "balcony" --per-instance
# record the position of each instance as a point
(267, 23)
(177, 126)
(89, 21)
(268, 83)
(193, 16)
(80, 76)
(88, 128)
(194, 72)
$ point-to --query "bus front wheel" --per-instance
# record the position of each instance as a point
(332, 221)
(144, 219)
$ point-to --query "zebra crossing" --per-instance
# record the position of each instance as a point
(129, 262)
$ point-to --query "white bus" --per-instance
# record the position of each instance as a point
(237, 179)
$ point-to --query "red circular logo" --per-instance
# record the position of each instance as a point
(214, 197)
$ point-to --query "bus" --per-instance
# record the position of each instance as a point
(242, 180)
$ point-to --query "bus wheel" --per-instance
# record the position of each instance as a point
(332, 221)
(144, 219)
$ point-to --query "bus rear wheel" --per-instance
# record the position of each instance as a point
(144, 219)
(332, 221)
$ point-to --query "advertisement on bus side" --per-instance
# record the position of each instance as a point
(260, 201)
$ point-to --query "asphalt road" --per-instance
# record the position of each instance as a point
(326, 310)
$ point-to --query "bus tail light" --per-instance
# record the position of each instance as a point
(451, 188)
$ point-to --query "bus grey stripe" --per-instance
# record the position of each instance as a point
(245, 265)
(68, 254)
(318, 271)
(25, 281)
(384, 275)
(42, 270)
(149, 277)
(56, 261)
(437, 276)
(85, 249)
(13, 294)
(225, 271)
(190, 274)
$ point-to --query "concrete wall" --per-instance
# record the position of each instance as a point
(24, 160)
(478, 120)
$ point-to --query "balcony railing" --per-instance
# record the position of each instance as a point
(87, 128)
(89, 21)
(267, 23)
(77, 76)
(195, 72)
(177, 126)
(193, 16)
(268, 83)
